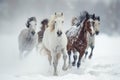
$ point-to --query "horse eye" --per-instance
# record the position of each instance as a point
(62, 21)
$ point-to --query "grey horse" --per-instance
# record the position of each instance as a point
(28, 38)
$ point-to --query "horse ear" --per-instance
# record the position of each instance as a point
(55, 13)
(41, 22)
(87, 16)
(98, 18)
(27, 24)
(62, 14)
(93, 16)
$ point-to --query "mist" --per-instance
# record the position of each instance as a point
(14, 13)
(13, 17)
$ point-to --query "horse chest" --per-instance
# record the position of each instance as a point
(58, 49)
(81, 44)
(30, 41)
(91, 40)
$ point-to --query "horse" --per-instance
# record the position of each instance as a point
(91, 39)
(41, 32)
(55, 41)
(71, 36)
(79, 43)
(27, 38)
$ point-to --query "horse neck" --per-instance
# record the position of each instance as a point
(43, 27)
(83, 34)
(29, 34)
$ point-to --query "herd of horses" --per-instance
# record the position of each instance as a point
(55, 41)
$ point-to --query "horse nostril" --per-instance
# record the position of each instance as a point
(97, 32)
(59, 33)
(33, 32)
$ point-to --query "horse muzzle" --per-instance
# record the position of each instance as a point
(97, 32)
(59, 33)
(33, 32)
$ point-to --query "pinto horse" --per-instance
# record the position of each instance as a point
(28, 38)
(55, 41)
(79, 43)
(91, 39)
(41, 32)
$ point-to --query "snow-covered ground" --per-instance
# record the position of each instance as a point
(105, 64)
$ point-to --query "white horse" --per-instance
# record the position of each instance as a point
(91, 39)
(55, 41)
(28, 38)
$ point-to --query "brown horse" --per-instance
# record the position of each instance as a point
(43, 27)
(79, 43)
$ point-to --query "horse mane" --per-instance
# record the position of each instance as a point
(82, 16)
(44, 23)
(73, 19)
(52, 20)
(29, 20)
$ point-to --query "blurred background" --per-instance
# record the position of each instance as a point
(14, 13)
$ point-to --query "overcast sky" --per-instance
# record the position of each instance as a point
(14, 13)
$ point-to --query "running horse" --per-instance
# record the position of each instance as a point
(28, 38)
(41, 32)
(79, 43)
(55, 41)
(91, 39)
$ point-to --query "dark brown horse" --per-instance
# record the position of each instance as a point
(79, 42)
(43, 27)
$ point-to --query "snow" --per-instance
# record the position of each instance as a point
(104, 65)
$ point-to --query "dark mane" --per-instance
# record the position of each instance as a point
(29, 20)
(41, 32)
(44, 23)
(82, 17)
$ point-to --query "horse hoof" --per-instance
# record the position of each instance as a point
(78, 65)
(70, 66)
(73, 63)
(90, 56)
(55, 74)
(64, 68)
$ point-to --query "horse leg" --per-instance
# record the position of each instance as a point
(86, 53)
(69, 54)
(90, 56)
(55, 64)
(65, 59)
(49, 57)
(79, 61)
(81, 53)
(74, 57)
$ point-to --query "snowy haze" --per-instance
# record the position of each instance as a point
(14, 13)
(105, 64)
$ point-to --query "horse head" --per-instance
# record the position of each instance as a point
(89, 24)
(31, 24)
(44, 24)
(56, 23)
(97, 25)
